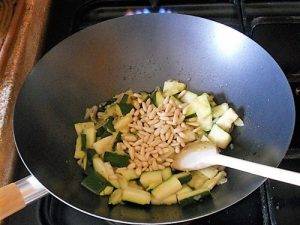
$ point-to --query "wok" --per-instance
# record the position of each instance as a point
(140, 52)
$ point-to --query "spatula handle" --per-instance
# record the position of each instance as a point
(258, 169)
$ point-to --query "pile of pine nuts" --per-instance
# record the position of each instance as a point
(156, 134)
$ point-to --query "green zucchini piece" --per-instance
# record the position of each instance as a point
(122, 181)
(95, 183)
(219, 110)
(103, 135)
(125, 108)
(124, 98)
(79, 153)
(90, 137)
(83, 141)
(198, 179)
(109, 124)
(190, 116)
(176, 100)
(133, 184)
(209, 184)
(172, 87)
(128, 174)
(107, 190)
(188, 97)
(220, 137)
(227, 119)
(136, 196)
(185, 189)
(116, 160)
(79, 127)
(151, 179)
(166, 173)
(122, 124)
(104, 144)
(106, 103)
(209, 172)
(184, 177)
(144, 95)
(167, 188)
(193, 196)
(89, 161)
(157, 97)
(116, 197)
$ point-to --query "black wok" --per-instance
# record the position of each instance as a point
(141, 52)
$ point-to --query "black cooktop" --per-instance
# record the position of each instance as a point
(275, 25)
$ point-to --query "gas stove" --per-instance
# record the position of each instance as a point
(272, 24)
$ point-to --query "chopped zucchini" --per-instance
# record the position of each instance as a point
(122, 181)
(189, 111)
(108, 126)
(83, 141)
(79, 154)
(133, 184)
(95, 183)
(227, 119)
(84, 162)
(185, 189)
(201, 107)
(239, 122)
(151, 179)
(176, 100)
(89, 160)
(107, 190)
(167, 188)
(113, 110)
(105, 170)
(104, 144)
(190, 116)
(172, 87)
(198, 179)
(128, 174)
(100, 167)
(172, 199)
(209, 172)
(166, 173)
(116, 160)
(144, 95)
(102, 133)
(188, 97)
(220, 137)
(79, 127)
(209, 184)
(124, 98)
(189, 136)
(190, 197)
(157, 98)
(204, 138)
(219, 110)
(183, 177)
(122, 124)
(136, 196)
(90, 137)
(116, 197)
(203, 111)
(125, 108)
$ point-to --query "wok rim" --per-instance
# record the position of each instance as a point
(258, 183)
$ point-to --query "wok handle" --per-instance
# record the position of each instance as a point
(16, 196)
(258, 169)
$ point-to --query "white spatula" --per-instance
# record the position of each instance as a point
(199, 155)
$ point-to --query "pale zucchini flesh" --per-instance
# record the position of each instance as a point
(220, 137)
(167, 188)
(136, 196)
